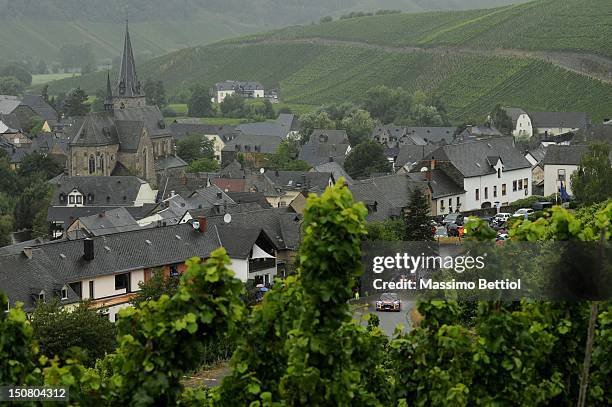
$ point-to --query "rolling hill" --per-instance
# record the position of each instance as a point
(336, 61)
(31, 29)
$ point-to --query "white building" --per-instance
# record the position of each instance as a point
(244, 89)
(527, 124)
(560, 162)
(491, 172)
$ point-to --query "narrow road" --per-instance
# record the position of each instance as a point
(594, 66)
(388, 320)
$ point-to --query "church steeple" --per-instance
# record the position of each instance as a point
(108, 100)
(129, 92)
(129, 86)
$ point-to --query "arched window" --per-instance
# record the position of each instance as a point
(499, 173)
(92, 164)
(145, 167)
(101, 163)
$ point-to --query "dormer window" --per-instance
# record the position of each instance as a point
(64, 293)
(41, 296)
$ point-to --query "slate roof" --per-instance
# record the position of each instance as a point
(181, 130)
(209, 197)
(98, 129)
(299, 180)
(325, 146)
(40, 107)
(600, 132)
(281, 225)
(68, 214)
(514, 113)
(151, 117)
(183, 184)
(169, 162)
(389, 194)
(233, 170)
(11, 120)
(432, 135)
(410, 154)
(22, 279)
(233, 85)
(107, 222)
(335, 169)
(49, 143)
(253, 143)
(564, 155)
(471, 158)
(128, 83)
(105, 191)
(279, 127)
(574, 120)
(441, 184)
(8, 104)
(249, 197)
(129, 133)
(229, 184)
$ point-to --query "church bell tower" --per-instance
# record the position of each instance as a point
(129, 92)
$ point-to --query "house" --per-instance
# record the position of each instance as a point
(12, 105)
(559, 163)
(406, 156)
(76, 197)
(50, 117)
(477, 133)
(286, 125)
(335, 169)
(325, 146)
(219, 135)
(250, 146)
(446, 195)
(282, 187)
(113, 221)
(388, 196)
(243, 89)
(528, 124)
(107, 271)
(14, 136)
(394, 136)
(492, 172)
(535, 157)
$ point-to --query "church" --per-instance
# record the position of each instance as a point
(128, 137)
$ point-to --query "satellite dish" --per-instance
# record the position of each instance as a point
(195, 224)
(424, 169)
(262, 170)
(227, 218)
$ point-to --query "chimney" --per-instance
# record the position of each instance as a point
(203, 224)
(28, 252)
(428, 175)
(88, 249)
(432, 164)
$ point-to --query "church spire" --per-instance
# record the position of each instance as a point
(129, 86)
(108, 100)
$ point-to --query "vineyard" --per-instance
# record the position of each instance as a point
(560, 25)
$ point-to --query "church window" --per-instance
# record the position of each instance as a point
(92, 164)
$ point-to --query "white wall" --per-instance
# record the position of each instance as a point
(446, 210)
(258, 93)
(490, 181)
(241, 268)
(550, 178)
(218, 145)
(222, 94)
(146, 195)
(524, 128)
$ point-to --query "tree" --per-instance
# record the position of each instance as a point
(155, 93)
(501, 120)
(417, 218)
(233, 106)
(386, 104)
(57, 329)
(41, 67)
(199, 104)
(17, 71)
(193, 147)
(44, 93)
(358, 125)
(326, 19)
(9, 85)
(39, 164)
(423, 115)
(6, 229)
(35, 198)
(592, 182)
(159, 284)
(285, 157)
(203, 165)
(35, 126)
(75, 103)
(77, 56)
(365, 159)
(314, 120)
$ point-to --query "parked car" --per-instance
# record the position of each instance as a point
(502, 217)
(389, 302)
(522, 212)
(455, 218)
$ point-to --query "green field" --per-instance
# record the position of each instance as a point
(308, 73)
(45, 78)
